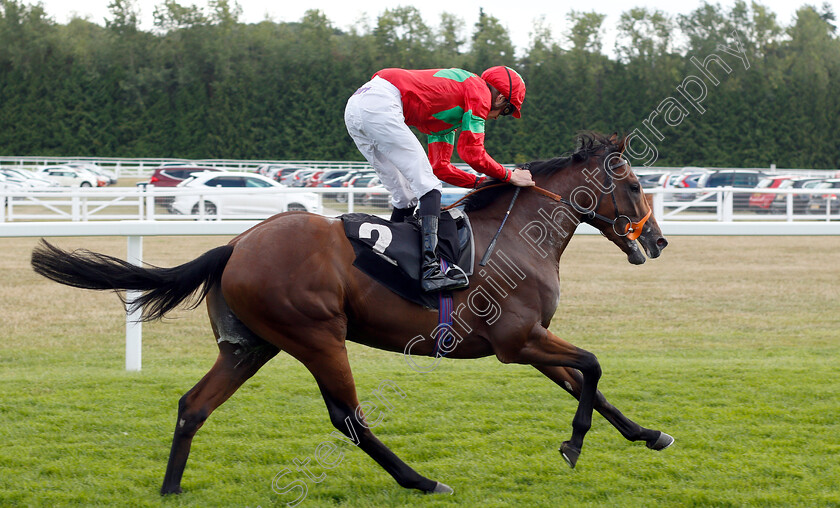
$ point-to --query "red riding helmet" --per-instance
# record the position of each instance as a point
(509, 83)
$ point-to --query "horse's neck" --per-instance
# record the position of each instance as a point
(538, 226)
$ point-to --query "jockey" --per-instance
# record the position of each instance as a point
(436, 102)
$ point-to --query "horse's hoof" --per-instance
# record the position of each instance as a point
(169, 490)
(570, 453)
(662, 442)
(442, 488)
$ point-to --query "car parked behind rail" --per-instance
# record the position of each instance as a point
(95, 169)
(73, 177)
(739, 179)
(800, 201)
(170, 175)
(28, 179)
(356, 179)
(821, 203)
(237, 200)
(761, 202)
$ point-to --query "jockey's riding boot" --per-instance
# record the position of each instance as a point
(400, 214)
(431, 277)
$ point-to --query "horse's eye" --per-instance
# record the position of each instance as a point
(634, 187)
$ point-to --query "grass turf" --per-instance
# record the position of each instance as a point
(728, 344)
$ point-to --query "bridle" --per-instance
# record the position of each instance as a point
(622, 224)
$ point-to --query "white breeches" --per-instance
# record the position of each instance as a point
(375, 121)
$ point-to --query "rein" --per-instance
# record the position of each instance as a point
(632, 230)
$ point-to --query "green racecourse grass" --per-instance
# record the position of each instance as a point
(729, 344)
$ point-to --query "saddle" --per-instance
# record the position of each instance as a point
(390, 252)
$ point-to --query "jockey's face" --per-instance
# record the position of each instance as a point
(499, 106)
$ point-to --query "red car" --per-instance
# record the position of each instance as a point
(314, 179)
(761, 202)
(171, 176)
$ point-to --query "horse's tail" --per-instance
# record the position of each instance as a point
(162, 289)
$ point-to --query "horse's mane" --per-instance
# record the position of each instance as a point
(591, 143)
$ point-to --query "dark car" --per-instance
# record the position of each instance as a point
(650, 180)
(819, 202)
(338, 179)
(354, 179)
(739, 179)
(800, 201)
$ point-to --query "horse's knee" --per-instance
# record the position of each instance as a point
(589, 366)
(190, 419)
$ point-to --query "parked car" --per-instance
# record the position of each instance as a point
(272, 170)
(800, 201)
(73, 177)
(28, 179)
(358, 179)
(172, 175)
(688, 178)
(236, 202)
(650, 180)
(313, 178)
(739, 179)
(818, 202)
(178, 164)
(377, 195)
(297, 178)
(761, 202)
(337, 181)
(278, 174)
(7, 183)
(95, 169)
(330, 176)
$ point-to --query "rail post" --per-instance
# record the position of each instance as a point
(133, 326)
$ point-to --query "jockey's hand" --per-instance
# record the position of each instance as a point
(521, 178)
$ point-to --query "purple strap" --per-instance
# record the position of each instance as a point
(444, 314)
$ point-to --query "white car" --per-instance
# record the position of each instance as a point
(97, 170)
(239, 193)
(7, 184)
(28, 179)
(72, 177)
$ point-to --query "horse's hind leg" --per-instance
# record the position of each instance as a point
(335, 380)
(571, 381)
(241, 354)
(543, 348)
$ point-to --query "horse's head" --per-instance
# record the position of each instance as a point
(602, 188)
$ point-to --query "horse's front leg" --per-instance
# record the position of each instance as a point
(542, 348)
(571, 380)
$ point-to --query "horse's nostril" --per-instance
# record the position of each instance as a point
(662, 243)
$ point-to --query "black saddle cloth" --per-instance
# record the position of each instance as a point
(390, 252)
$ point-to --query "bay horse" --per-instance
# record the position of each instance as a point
(289, 284)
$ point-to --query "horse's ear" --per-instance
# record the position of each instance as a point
(613, 138)
(622, 143)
